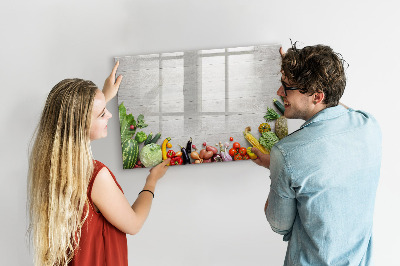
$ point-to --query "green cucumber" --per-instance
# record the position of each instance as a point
(156, 137)
(279, 106)
(148, 140)
(130, 152)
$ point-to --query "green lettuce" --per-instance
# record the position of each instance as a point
(150, 155)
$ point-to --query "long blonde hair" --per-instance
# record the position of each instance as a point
(60, 167)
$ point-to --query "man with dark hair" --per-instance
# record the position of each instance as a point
(324, 176)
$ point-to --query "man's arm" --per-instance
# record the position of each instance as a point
(280, 213)
(280, 208)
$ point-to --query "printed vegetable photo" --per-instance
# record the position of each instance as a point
(202, 106)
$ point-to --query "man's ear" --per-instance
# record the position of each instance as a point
(318, 97)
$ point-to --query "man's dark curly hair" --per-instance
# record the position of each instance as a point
(316, 69)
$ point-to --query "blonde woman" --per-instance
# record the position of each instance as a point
(78, 212)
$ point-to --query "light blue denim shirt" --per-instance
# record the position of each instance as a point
(323, 183)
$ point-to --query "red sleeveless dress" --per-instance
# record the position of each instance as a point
(101, 243)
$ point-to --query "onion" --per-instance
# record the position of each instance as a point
(195, 155)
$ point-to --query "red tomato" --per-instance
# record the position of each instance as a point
(242, 151)
(237, 157)
(232, 152)
(231, 139)
(246, 157)
(236, 145)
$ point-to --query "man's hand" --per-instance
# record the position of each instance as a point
(111, 85)
(262, 159)
(266, 206)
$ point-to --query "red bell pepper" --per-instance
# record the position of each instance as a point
(176, 161)
(170, 154)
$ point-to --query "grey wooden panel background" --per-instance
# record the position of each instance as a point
(209, 95)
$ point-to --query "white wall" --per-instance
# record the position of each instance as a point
(212, 215)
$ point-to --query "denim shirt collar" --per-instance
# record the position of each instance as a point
(326, 114)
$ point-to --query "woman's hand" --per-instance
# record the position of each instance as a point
(158, 171)
(111, 85)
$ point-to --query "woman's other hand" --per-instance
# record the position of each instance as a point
(111, 85)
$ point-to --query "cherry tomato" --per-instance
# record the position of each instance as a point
(132, 127)
(237, 157)
(236, 145)
(242, 151)
(232, 152)
(246, 157)
(231, 139)
(169, 145)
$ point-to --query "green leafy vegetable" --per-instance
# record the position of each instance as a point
(126, 121)
(271, 115)
(151, 155)
(122, 112)
(268, 139)
(140, 122)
